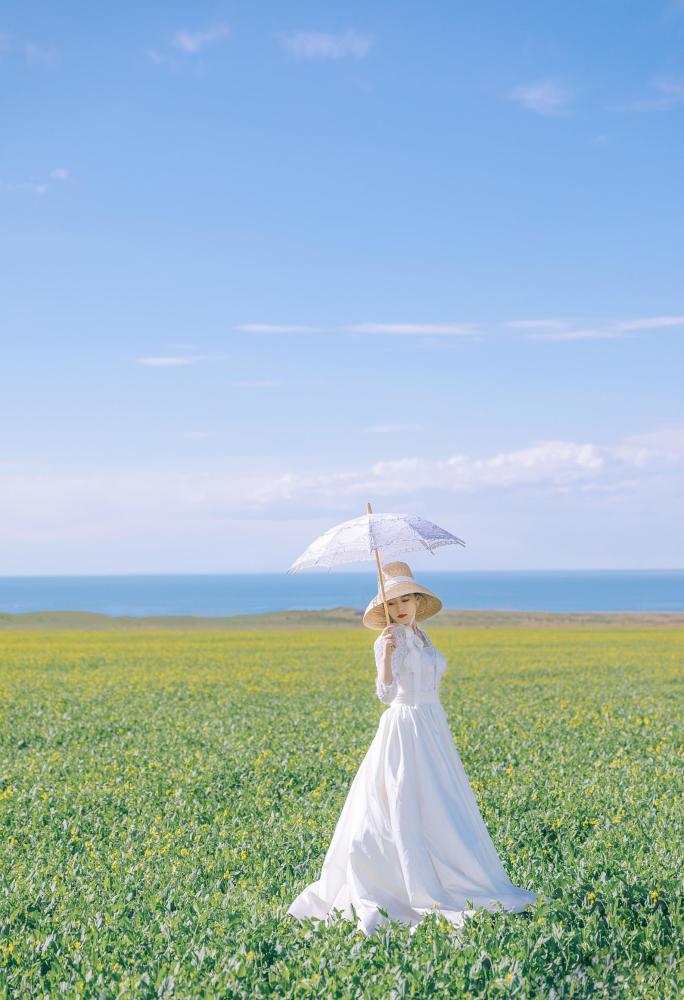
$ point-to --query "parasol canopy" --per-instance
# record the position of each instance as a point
(359, 539)
(367, 536)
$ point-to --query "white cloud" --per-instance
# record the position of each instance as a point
(35, 187)
(545, 97)
(30, 52)
(650, 323)
(389, 328)
(664, 447)
(614, 329)
(40, 506)
(38, 187)
(578, 335)
(188, 43)
(322, 45)
(412, 328)
(193, 42)
(171, 361)
(534, 324)
(531, 329)
(547, 462)
(278, 328)
(669, 95)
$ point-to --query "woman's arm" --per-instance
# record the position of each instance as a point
(386, 681)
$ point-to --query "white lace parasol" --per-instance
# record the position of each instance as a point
(368, 536)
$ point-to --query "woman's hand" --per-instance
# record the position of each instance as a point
(389, 640)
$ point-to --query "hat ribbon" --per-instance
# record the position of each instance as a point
(388, 580)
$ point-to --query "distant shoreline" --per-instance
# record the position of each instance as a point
(333, 618)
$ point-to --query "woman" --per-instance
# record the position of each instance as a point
(410, 838)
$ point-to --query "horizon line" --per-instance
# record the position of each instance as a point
(605, 569)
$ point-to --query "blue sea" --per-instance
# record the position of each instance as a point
(254, 593)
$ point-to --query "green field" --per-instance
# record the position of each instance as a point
(165, 795)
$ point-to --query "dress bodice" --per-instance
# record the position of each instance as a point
(417, 668)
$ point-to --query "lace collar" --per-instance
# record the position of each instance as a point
(420, 637)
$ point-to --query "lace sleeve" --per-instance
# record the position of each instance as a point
(385, 692)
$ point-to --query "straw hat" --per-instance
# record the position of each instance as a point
(398, 580)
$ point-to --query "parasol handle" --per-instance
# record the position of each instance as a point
(380, 578)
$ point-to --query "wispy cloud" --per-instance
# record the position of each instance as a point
(31, 53)
(578, 335)
(448, 329)
(650, 323)
(278, 328)
(612, 330)
(172, 361)
(545, 97)
(530, 329)
(458, 329)
(669, 94)
(322, 45)
(664, 447)
(38, 187)
(34, 187)
(534, 324)
(188, 43)
(193, 42)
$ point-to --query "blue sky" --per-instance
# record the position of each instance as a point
(265, 262)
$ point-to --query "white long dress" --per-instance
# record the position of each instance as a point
(410, 838)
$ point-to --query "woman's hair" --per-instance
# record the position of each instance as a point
(420, 600)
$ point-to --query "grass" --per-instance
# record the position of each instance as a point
(165, 795)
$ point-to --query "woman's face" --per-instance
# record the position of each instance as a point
(403, 609)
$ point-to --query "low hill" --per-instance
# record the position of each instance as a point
(337, 618)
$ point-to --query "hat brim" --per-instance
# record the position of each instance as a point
(374, 615)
